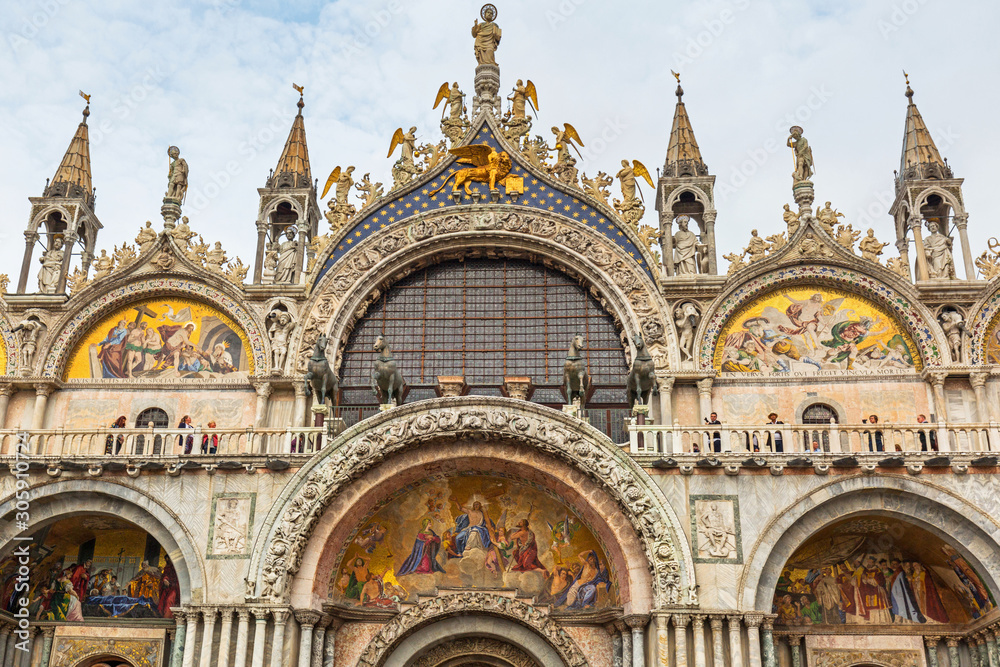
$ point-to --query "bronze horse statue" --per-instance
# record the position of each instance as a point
(642, 377)
(387, 380)
(320, 378)
(575, 373)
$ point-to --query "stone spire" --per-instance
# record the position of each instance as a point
(73, 177)
(293, 165)
(920, 157)
(683, 154)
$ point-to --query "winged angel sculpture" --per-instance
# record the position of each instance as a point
(488, 166)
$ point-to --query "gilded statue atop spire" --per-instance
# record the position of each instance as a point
(487, 36)
(804, 167)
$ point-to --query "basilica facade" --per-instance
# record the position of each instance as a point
(496, 412)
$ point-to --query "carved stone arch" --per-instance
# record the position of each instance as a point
(278, 201)
(345, 292)
(951, 198)
(392, 639)
(700, 195)
(39, 217)
(56, 500)
(80, 317)
(280, 546)
(983, 319)
(806, 403)
(901, 301)
(967, 528)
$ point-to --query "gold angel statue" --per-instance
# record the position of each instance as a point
(626, 175)
(564, 139)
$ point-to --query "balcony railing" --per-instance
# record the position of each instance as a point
(167, 443)
(844, 439)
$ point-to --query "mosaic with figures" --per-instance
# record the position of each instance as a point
(879, 571)
(162, 338)
(474, 531)
(93, 567)
(809, 330)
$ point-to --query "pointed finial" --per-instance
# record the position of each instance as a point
(909, 91)
(301, 91)
(86, 110)
(680, 91)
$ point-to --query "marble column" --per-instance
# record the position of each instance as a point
(952, 643)
(28, 656)
(8, 656)
(207, 636)
(718, 656)
(225, 637)
(698, 632)
(680, 639)
(190, 638)
(47, 635)
(705, 400)
(976, 379)
(6, 391)
(616, 645)
(307, 620)
(42, 392)
(932, 657)
(258, 264)
(278, 641)
(330, 647)
(793, 643)
(918, 249)
(300, 406)
(259, 636)
(735, 642)
(242, 634)
(977, 650)
(962, 223)
(713, 262)
(319, 641)
(992, 647)
(4, 638)
(753, 622)
(30, 239)
(662, 640)
(626, 643)
(263, 394)
(666, 387)
(903, 246)
(638, 624)
(767, 643)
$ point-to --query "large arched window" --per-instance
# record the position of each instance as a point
(159, 419)
(484, 320)
(819, 414)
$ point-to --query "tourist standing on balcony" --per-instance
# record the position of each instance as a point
(210, 443)
(118, 442)
(778, 444)
(187, 442)
(874, 437)
(716, 444)
(922, 419)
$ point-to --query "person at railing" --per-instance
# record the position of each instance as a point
(186, 442)
(716, 443)
(875, 443)
(777, 445)
(815, 447)
(118, 442)
(922, 419)
(210, 442)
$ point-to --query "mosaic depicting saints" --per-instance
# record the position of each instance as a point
(162, 339)
(808, 330)
(846, 576)
(474, 532)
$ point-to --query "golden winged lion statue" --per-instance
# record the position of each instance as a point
(489, 166)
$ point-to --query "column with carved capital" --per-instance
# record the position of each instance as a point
(225, 637)
(263, 394)
(278, 641)
(330, 648)
(953, 660)
(976, 379)
(258, 264)
(30, 239)
(977, 650)
(300, 406)
(767, 643)
(616, 645)
(259, 636)
(4, 638)
(709, 218)
(962, 222)
(319, 637)
(736, 641)
(190, 638)
(918, 249)
(698, 632)
(903, 246)
(638, 624)
(207, 636)
(932, 657)
(662, 639)
(666, 387)
(8, 654)
(6, 391)
(177, 648)
(992, 647)
(937, 379)
(42, 393)
(626, 643)
(69, 243)
(300, 252)
(680, 639)
(705, 397)
(718, 656)
(307, 619)
(242, 634)
(26, 657)
(667, 241)
(794, 641)
(47, 635)
(753, 622)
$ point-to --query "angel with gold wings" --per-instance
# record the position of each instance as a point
(454, 98)
(564, 139)
(523, 94)
(627, 176)
(489, 166)
(407, 141)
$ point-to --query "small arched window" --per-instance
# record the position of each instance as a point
(159, 419)
(819, 414)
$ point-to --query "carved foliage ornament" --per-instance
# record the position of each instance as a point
(72, 650)
(473, 602)
(625, 272)
(361, 450)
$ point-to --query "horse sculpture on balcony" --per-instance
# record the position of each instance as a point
(387, 380)
(320, 378)
(575, 373)
(642, 377)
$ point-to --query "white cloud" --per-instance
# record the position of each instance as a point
(214, 77)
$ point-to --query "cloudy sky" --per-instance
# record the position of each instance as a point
(214, 77)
